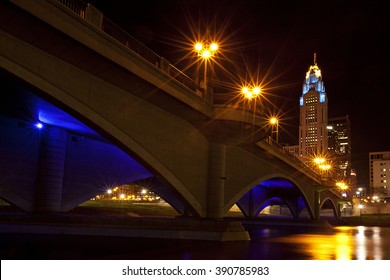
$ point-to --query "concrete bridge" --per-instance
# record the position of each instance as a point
(114, 112)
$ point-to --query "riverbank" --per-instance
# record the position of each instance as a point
(159, 220)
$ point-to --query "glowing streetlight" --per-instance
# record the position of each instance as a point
(39, 125)
(250, 93)
(342, 185)
(319, 160)
(275, 123)
(205, 52)
(325, 167)
(321, 163)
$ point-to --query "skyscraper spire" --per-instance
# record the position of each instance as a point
(313, 80)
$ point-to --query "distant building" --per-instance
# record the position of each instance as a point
(339, 146)
(379, 174)
(356, 190)
(313, 134)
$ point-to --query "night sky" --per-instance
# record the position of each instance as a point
(273, 42)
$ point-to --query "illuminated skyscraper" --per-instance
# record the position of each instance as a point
(339, 146)
(320, 136)
(313, 136)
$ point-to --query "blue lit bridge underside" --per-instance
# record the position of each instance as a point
(88, 163)
(110, 117)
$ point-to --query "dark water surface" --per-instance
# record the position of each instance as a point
(340, 243)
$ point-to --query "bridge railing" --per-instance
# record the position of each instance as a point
(94, 16)
(78, 7)
(316, 174)
(306, 167)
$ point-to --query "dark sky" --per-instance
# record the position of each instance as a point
(274, 41)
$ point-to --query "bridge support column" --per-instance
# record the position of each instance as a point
(251, 208)
(317, 204)
(338, 210)
(216, 183)
(52, 154)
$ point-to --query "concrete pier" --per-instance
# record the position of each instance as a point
(166, 228)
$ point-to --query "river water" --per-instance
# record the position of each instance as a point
(338, 243)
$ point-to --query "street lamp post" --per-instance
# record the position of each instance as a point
(251, 93)
(206, 52)
(275, 123)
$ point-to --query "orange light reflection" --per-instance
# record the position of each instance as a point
(338, 246)
(345, 243)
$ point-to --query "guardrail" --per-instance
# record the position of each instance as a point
(296, 160)
(307, 168)
(95, 17)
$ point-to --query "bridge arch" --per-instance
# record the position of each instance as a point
(326, 203)
(179, 195)
(256, 195)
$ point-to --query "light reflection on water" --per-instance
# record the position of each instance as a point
(338, 243)
(344, 243)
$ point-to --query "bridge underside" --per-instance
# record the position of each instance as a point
(86, 164)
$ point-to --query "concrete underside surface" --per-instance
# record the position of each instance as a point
(168, 228)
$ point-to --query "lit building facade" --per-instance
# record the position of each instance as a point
(379, 174)
(313, 134)
(339, 146)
